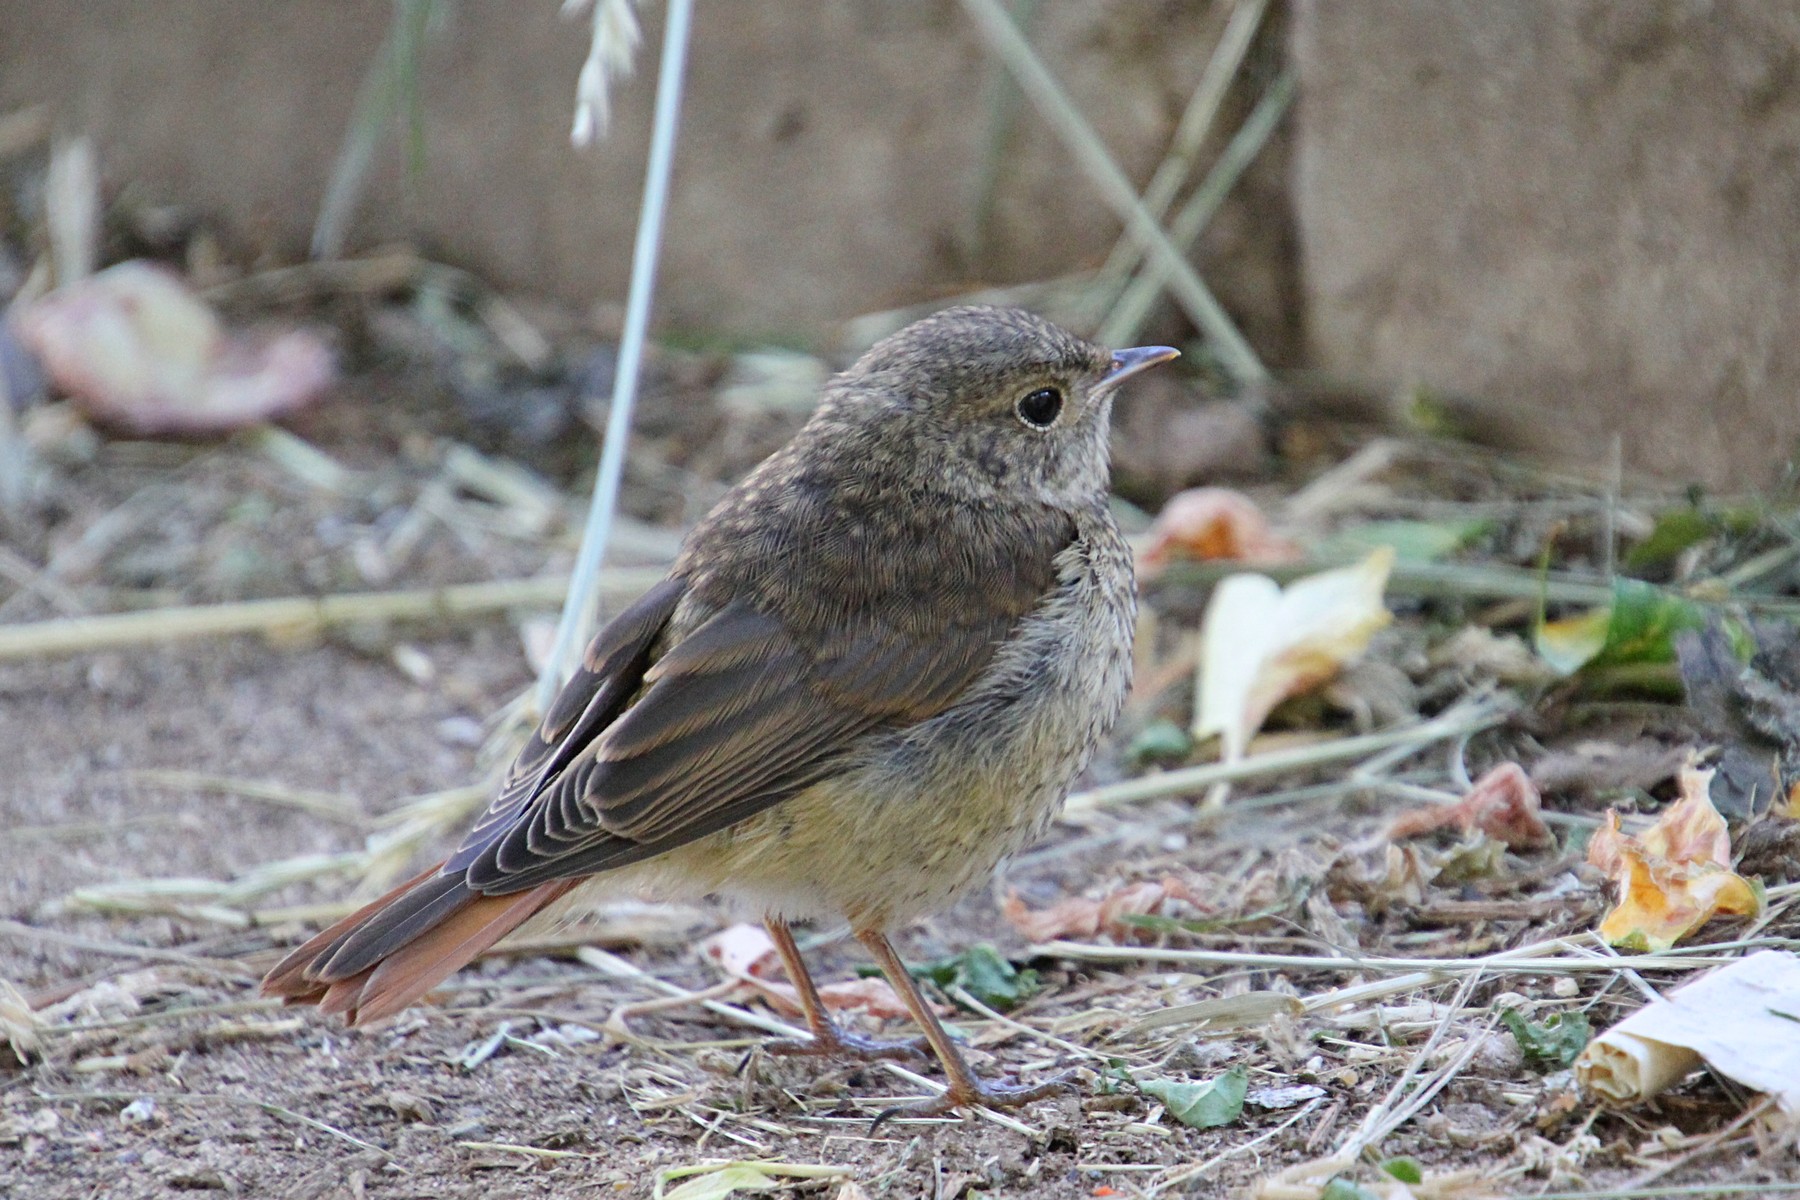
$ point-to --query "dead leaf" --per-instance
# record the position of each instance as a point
(1504, 804)
(1381, 877)
(20, 1029)
(134, 347)
(1261, 643)
(1676, 876)
(1081, 917)
(1214, 523)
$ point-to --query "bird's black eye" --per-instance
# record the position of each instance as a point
(1039, 409)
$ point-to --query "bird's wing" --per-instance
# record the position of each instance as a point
(655, 745)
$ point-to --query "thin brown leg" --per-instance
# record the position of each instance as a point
(965, 1087)
(827, 1039)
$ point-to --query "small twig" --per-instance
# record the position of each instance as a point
(1398, 1107)
(14, 566)
(1709, 1144)
(618, 968)
(163, 1016)
(961, 996)
(528, 1151)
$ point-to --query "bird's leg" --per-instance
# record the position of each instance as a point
(966, 1088)
(827, 1039)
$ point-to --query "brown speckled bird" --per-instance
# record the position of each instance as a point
(875, 669)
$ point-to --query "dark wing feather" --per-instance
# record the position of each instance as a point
(676, 733)
(611, 671)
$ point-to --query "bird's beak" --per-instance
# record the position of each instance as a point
(1126, 363)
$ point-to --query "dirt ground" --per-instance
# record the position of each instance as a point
(160, 1072)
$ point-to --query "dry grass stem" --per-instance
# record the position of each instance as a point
(1042, 88)
(297, 615)
(328, 805)
(1466, 718)
(1197, 121)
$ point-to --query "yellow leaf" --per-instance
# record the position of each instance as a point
(1674, 878)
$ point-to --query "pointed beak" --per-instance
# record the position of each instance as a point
(1126, 363)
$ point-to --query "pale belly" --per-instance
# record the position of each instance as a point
(921, 815)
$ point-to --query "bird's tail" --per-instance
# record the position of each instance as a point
(388, 953)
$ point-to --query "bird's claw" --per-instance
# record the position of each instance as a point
(840, 1043)
(982, 1094)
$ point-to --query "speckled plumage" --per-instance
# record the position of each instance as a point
(875, 669)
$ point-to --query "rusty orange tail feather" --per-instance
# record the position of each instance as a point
(417, 961)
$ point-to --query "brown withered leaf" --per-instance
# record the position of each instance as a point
(1081, 917)
(1504, 804)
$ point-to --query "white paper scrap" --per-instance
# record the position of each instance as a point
(1742, 1020)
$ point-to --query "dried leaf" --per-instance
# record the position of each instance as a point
(747, 953)
(1261, 643)
(1214, 523)
(717, 1182)
(20, 1027)
(1389, 876)
(134, 347)
(1081, 917)
(1741, 679)
(1674, 878)
(1503, 804)
(741, 950)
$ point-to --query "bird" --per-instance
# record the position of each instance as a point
(874, 670)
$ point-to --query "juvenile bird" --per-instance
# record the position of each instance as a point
(875, 669)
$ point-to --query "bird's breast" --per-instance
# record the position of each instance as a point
(918, 815)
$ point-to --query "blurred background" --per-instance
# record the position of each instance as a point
(1576, 217)
(1466, 524)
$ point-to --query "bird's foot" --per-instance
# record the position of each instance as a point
(979, 1093)
(833, 1042)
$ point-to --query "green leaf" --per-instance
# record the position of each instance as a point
(1159, 742)
(1679, 528)
(1673, 532)
(1412, 541)
(1343, 1189)
(1406, 1170)
(1553, 1044)
(984, 974)
(1639, 626)
(1218, 1101)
